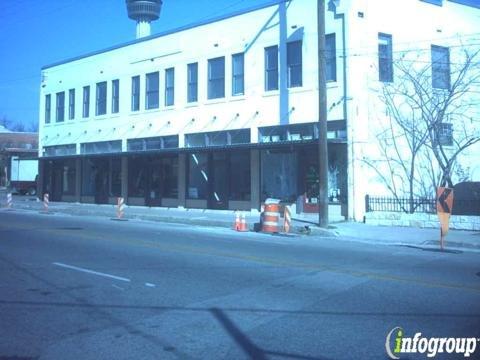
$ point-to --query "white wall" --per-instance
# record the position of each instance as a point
(414, 26)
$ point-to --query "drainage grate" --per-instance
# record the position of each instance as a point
(69, 228)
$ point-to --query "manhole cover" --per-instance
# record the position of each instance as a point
(478, 274)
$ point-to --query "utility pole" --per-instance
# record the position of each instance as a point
(322, 120)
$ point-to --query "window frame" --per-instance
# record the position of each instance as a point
(170, 86)
(115, 96)
(48, 108)
(101, 98)
(192, 82)
(441, 71)
(292, 66)
(60, 107)
(385, 58)
(86, 102)
(215, 80)
(71, 104)
(331, 57)
(135, 100)
(271, 70)
(238, 75)
(152, 92)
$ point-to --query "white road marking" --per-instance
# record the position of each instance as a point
(91, 272)
(118, 287)
(149, 284)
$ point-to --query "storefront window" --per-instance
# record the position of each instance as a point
(240, 176)
(115, 177)
(170, 177)
(279, 175)
(137, 178)
(69, 174)
(197, 185)
(89, 172)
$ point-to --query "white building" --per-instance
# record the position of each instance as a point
(223, 113)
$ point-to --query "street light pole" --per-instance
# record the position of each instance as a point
(322, 120)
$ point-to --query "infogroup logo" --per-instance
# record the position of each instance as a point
(397, 343)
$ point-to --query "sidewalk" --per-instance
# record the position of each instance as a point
(302, 224)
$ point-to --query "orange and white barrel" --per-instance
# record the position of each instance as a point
(9, 200)
(287, 219)
(270, 218)
(120, 207)
(45, 201)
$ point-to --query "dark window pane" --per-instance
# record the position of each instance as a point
(101, 104)
(48, 108)
(440, 67)
(60, 115)
(294, 63)
(271, 68)
(330, 58)
(240, 176)
(152, 94)
(136, 93)
(216, 78)
(86, 101)
(115, 96)
(170, 177)
(197, 176)
(71, 104)
(192, 74)
(169, 87)
(137, 177)
(238, 74)
(385, 60)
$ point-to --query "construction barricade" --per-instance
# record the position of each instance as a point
(270, 216)
(9, 201)
(287, 219)
(46, 201)
(120, 208)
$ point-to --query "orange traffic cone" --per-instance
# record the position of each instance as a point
(237, 224)
(243, 223)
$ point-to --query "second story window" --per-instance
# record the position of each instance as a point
(71, 104)
(216, 78)
(169, 86)
(151, 92)
(48, 108)
(330, 57)
(294, 63)
(192, 82)
(238, 69)
(60, 115)
(115, 96)
(101, 99)
(271, 68)
(385, 59)
(86, 101)
(440, 67)
(135, 93)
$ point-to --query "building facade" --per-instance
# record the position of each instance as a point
(223, 114)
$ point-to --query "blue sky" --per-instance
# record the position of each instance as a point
(34, 33)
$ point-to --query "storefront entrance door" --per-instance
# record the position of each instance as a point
(218, 192)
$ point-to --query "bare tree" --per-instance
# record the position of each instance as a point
(432, 118)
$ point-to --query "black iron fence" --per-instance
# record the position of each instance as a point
(419, 205)
(406, 205)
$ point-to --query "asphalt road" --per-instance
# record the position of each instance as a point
(90, 288)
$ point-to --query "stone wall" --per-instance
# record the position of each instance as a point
(420, 220)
